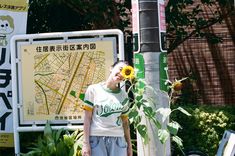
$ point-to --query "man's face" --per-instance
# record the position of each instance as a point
(116, 72)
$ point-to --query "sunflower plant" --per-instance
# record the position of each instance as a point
(139, 102)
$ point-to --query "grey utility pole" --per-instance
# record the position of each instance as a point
(149, 36)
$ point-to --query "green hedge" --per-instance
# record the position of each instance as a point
(204, 129)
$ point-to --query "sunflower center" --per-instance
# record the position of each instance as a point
(127, 72)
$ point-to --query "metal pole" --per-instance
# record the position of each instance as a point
(150, 49)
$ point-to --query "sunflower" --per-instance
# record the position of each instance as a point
(177, 85)
(128, 72)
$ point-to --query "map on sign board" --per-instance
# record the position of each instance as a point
(55, 77)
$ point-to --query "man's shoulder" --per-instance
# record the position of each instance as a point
(94, 86)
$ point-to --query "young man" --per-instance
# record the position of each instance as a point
(106, 124)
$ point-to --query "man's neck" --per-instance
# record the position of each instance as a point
(111, 85)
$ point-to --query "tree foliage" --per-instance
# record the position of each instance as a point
(184, 18)
(187, 18)
(71, 15)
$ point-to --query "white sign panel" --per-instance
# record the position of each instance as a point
(13, 19)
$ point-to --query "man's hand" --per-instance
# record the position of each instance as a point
(86, 149)
(129, 150)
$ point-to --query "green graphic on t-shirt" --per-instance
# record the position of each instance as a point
(109, 109)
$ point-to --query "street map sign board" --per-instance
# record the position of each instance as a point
(55, 76)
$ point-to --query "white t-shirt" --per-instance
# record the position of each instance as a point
(108, 107)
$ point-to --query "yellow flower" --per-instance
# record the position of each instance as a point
(128, 72)
(177, 85)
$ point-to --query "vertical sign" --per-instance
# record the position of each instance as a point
(163, 71)
(162, 25)
(139, 66)
(135, 25)
(13, 17)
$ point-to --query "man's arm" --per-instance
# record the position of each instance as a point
(126, 127)
(86, 149)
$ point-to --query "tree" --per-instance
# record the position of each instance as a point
(187, 18)
(71, 15)
(184, 18)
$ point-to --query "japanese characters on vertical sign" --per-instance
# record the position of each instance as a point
(162, 25)
(163, 71)
(13, 17)
(135, 25)
(139, 65)
(56, 75)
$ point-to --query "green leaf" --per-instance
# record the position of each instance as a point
(72, 152)
(79, 141)
(79, 134)
(34, 152)
(138, 104)
(133, 114)
(163, 135)
(51, 147)
(76, 148)
(144, 101)
(137, 120)
(173, 127)
(142, 130)
(157, 123)
(139, 97)
(58, 134)
(165, 112)
(141, 85)
(140, 91)
(177, 140)
(148, 111)
(184, 111)
(61, 149)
